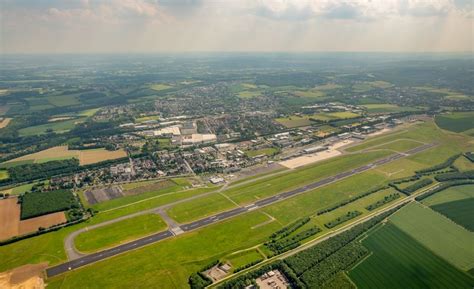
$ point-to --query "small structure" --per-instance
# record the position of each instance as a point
(216, 180)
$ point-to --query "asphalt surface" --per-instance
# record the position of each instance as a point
(92, 258)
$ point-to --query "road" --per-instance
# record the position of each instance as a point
(92, 258)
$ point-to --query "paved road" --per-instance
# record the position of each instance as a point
(92, 258)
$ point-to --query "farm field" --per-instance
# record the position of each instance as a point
(456, 121)
(4, 122)
(449, 195)
(436, 232)
(294, 121)
(168, 264)
(464, 164)
(305, 120)
(201, 207)
(386, 108)
(120, 232)
(460, 211)
(3, 174)
(57, 127)
(249, 93)
(399, 261)
(62, 152)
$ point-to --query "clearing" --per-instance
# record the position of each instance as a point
(4, 122)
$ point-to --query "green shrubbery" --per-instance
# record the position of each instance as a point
(448, 163)
(344, 218)
(455, 176)
(416, 186)
(284, 244)
(350, 200)
(385, 200)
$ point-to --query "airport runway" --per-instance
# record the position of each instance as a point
(92, 258)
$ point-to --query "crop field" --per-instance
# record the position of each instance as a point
(305, 120)
(464, 164)
(328, 86)
(399, 261)
(309, 93)
(249, 93)
(57, 127)
(436, 232)
(120, 232)
(63, 100)
(4, 122)
(3, 174)
(201, 207)
(450, 195)
(298, 177)
(243, 258)
(61, 153)
(459, 211)
(168, 264)
(457, 121)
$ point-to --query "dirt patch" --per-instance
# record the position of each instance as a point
(10, 224)
(149, 188)
(4, 122)
(87, 157)
(9, 218)
(25, 277)
(46, 221)
(98, 195)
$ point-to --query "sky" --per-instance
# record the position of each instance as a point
(148, 26)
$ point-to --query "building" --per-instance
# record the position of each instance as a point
(189, 128)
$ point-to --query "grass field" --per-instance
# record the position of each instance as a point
(57, 127)
(168, 264)
(400, 145)
(63, 100)
(386, 108)
(120, 232)
(457, 121)
(450, 195)
(243, 258)
(249, 93)
(201, 207)
(271, 185)
(439, 234)
(399, 261)
(160, 86)
(460, 211)
(266, 151)
(4, 122)
(294, 121)
(310, 93)
(305, 120)
(3, 174)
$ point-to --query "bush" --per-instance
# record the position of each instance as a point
(416, 186)
(470, 156)
(348, 201)
(455, 176)
(287, 230)
(285, 244)
(448, 163)
(442, 187)
(385, 200)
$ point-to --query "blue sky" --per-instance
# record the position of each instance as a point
(88, 26)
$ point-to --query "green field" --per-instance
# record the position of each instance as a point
(3, 174)
(400, 145)
(309, 93)
(305, 120)
(294, 121)
(266, 151)
(57, 127)
(457, 121)
(437, 233)
(38, 204)
(460, 211)
(249, 93)
(386, 108)
(63, 100)
(295, 178)
(399, 261)
(160, 86)
(120, 232)
(243, 258)
(169, 263)
(202, 207)
(450, 194)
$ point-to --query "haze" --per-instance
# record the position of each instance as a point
(122, 26)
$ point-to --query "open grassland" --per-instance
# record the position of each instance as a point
(199, 208)
(439, 234)
(463, 164)
(450, 195)
(63, 100)
(456, 121)
(120, 232)
(328, 86)
(168, 264)
(3, 174)
(274, 184)
(294, 121)
(460, 211)
(312, 93)
(400, 145)
(266, 151)
(145, 204)
(399, 261)
(386, 108)
(160, 86)
(62, 152)
(305, 120)
(249, 93)
(243, 258)
(57, 127)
